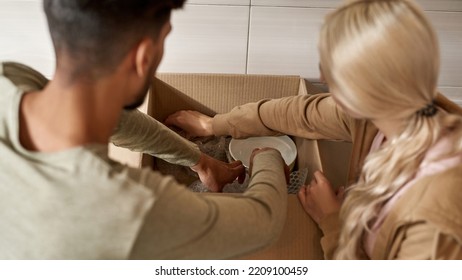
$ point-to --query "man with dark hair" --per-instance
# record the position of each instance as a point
(61, 197)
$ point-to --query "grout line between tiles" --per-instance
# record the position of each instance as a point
(248, 42)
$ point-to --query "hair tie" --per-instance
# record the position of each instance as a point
(429, 110)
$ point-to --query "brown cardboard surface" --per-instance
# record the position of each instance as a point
(334, 157)
(215, 93)
(299, 240)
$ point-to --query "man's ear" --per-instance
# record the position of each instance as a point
(144, 56)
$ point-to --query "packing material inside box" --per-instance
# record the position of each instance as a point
(213, 93)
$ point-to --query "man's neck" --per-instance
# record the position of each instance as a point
(64, 116)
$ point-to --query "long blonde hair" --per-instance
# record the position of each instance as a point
(381, 61)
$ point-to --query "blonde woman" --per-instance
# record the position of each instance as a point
(381, 61)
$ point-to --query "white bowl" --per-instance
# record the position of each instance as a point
(241, 149)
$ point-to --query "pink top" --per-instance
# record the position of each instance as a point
(427, 168)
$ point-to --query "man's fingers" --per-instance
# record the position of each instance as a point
(241, 177)
(239, 172)
(235, 163)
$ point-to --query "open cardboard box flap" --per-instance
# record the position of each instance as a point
(217, 93)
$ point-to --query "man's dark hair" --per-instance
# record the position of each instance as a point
(97, 34)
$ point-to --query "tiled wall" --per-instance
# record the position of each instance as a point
(236, 36)
(24, 35)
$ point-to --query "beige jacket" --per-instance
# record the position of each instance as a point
(425, 224)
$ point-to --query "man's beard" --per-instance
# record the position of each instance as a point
(142, 93)
(140, 100)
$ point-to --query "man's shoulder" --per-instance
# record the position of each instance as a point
(21, 76)
(7, 86)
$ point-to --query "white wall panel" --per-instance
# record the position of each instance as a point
(448, 26)
(453, 93)
(211, 39)
(284, 41)
(220, 2)
(24, 35)
(441, 5)
(298, 3)
(430, 5)
(36, 1)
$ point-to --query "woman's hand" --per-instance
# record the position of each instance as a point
(192, 122)
(319, 198)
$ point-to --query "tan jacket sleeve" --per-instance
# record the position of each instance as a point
(186, 225)
(423, 241)
(308, 116)
(330, 227)
(141, 133)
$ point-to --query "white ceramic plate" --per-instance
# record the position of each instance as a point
(241, 149)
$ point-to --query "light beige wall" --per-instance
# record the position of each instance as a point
(24, 35)
(281, 38)
(235, 36)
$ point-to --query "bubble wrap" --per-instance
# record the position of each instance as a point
(217, 147)
(297, 179)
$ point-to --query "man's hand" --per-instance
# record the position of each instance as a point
(215, 174)
(193, 122)
(319, 198)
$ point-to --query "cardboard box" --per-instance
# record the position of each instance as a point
(214, 93)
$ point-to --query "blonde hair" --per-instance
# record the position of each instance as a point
(381, 61)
